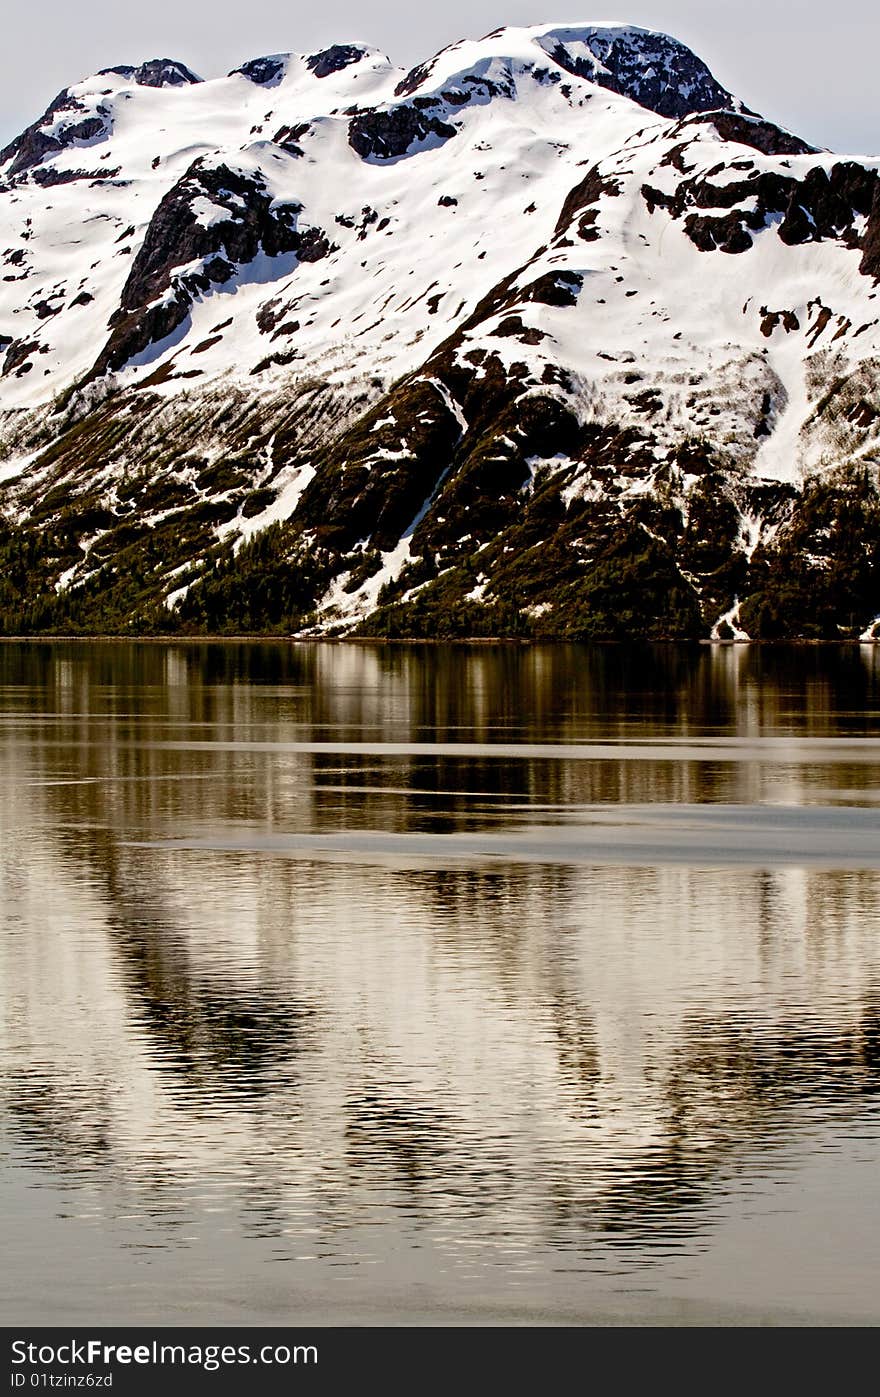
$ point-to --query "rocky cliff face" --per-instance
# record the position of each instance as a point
(211, 222)
(547, 336)
(652, 69)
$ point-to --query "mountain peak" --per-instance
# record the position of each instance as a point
(156, 72)
(79, 115)
(651, 68)
(273, 68)
(654, 69)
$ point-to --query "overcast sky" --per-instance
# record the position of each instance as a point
(809, 64)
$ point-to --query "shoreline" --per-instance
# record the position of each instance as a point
(257, 638)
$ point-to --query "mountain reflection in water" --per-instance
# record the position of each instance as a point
(350, 981)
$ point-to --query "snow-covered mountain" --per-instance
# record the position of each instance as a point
(549, 335)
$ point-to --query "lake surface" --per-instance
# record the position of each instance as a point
(401, 984)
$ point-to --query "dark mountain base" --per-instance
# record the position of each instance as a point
(643, 569)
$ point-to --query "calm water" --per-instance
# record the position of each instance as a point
(421, 983)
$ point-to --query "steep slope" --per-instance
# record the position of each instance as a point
(547, 336)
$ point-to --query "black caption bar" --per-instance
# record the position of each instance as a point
(173, 1360)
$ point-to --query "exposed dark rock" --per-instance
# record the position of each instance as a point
(822, 320)
(554, 289)
(218, 270)
(649, 402)
(658, 199)
(270, 314)
(824, 204)
(771, 192)
(753, 131)
(266, 72)
(18, 353)
(870, 264)
(47, 176)
(136, 332)
(175, 237)
(256, 222)
(556, 376)
(288, 137)
(862, 414)
(772, 319)
(388, 135)
(656, 71)
(274, 361)
(513, 326)
(469, 87)
(675, 158)
(164, 72)
(271, 317)
(726, 233)
(207, 344)
(35, 145)
(414, 78)
(334, 59)
(585, 196)
(284, 331)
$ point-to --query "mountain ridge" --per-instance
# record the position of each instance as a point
(398, 339)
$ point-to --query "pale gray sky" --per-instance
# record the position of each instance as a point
(809, 64)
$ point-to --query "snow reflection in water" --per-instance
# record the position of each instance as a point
(421, 1018)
